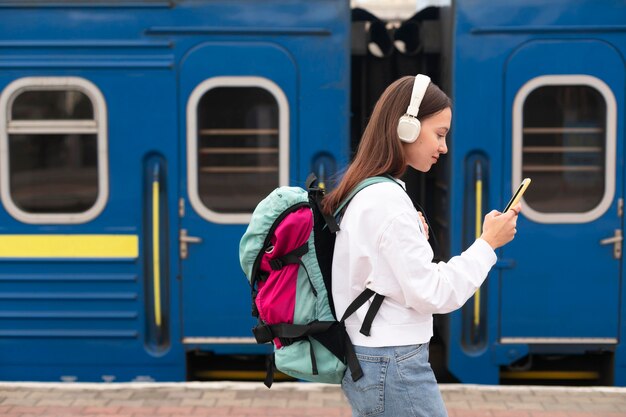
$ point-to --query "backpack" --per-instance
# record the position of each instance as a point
(286, 254)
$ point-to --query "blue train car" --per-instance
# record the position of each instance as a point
(539, 92)
(137, 137)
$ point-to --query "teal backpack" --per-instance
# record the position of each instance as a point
(286, 254)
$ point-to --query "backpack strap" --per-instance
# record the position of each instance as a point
(353, 362)
(267, 332)
(292, 257)
(270, 365)
(371, 311)
(365, 183)
(288, 334)
(367, 293)
(351, 359)
(316, 195)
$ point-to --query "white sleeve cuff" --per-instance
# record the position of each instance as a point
(483, 251)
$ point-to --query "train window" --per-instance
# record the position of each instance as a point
(52, 105)
(564, 139)
(237, 146)
(54, 131)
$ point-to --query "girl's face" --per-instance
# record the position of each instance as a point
(424, 152)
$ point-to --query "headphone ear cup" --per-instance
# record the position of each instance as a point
(408, 129)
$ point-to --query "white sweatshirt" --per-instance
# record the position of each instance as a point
(381, 246)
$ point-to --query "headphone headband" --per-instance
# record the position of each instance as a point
(419, 89)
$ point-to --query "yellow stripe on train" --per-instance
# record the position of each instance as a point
(69, 246)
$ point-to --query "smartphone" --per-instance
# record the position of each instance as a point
(518, 194)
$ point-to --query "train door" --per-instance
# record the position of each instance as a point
(564, 100)
(238, 141)
(85, 289)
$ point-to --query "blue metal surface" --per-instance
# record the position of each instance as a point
(545, 269)
(221, 311)
(558, 281)
(94, 320)
(62, 346)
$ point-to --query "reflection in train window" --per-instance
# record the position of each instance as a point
(52, 105)
(237, 147)
(54, 173)
(564, 147)
(56, 141)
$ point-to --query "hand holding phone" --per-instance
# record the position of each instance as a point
(517, 195)
(499, 230)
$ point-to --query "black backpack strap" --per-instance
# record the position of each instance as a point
(289, 333)
(292, 257)
(316, 195)
(310, 180)
(352, 360)
(357, 303)
(371, 311)
(331, 221)
(270, 364)
(264, 333)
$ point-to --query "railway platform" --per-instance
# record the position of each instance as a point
(252, 399)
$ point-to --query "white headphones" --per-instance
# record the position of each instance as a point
(409, 126)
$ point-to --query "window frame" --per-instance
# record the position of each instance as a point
(609, 154)
(192, 141)
(98, 126)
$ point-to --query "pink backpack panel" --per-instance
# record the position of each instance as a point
(276, 298)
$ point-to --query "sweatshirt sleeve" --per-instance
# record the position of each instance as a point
(407, 274)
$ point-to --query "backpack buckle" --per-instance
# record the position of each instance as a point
(285, 341)
(276, 264)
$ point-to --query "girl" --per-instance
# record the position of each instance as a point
(383, 245)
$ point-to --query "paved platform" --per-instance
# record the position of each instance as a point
(230, 399)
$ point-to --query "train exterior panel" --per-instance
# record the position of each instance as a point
(136, 137)
(539, 92)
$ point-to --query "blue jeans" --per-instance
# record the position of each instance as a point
(397, 382)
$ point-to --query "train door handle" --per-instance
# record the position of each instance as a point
(616, 240)
(184, 240)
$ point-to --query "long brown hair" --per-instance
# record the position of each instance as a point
(380, 150)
